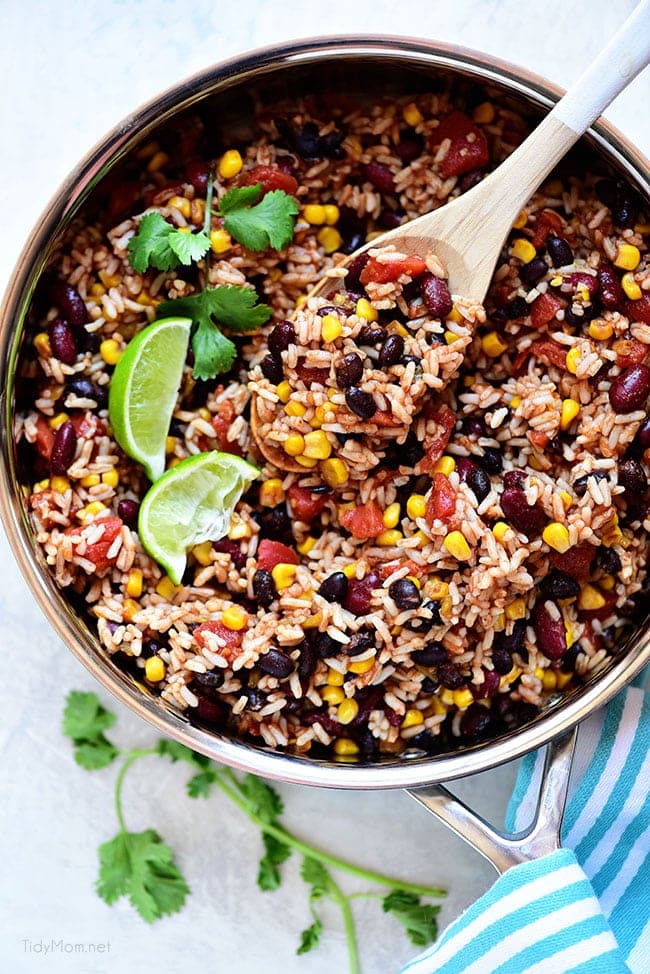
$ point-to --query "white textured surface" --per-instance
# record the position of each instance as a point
(71, 71)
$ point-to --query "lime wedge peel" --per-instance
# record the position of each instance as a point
(191, 503)
(144, 390)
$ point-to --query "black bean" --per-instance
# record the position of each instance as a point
(283, 335)
(325, 646)
(70, 303)
(580, 485)
(436, 295)
(128, 510)
(569, 659)
(256, 699)
(360, 642)
(514, 642)
(632, 477)
(63, 448)
(334, 588)
(479, 482)
(559, 251)
(272, 369)
(433, 654)
(85, 389)
(450, 676)
(630, 389)
(405, 594)
(389, 219)
(416, 360)
(263, 587)
(360, 402)
(492, 459)
(609, 560)
(476, 723)
(473, 426)
(370, 335)
(210, 681)
(276, 663)
(275, 524)
(501, 660)
(533, 271)
(328, 309)
(559, 585)
(391, 351)
(621, 199)
(62, 341)
(426, 619)
(306, 662)
(349, 371)
(354, 269)
(516, 308)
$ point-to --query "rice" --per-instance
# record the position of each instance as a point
(449, 613)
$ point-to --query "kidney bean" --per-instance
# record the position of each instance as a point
(643, 434)
(632, 477)
(530, 520)
(380, 176)
(559, 251)
(276, 663)
(128, 510)
(227, 547)
(514, 478)
(409, 148)
(63, 448)
(550, 633)
(283, 335)
(62, 341)
(360, 402)
(389, 219)
(391, 351)
(436, 295)
(359, 595)
(464, 467)
(611, 292)
(70, 303)
(196, 173)
(334, 588)
(349, 371)
(488, 687)
(630, 389)
(559, 585)
(473, 426)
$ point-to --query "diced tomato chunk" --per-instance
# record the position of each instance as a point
(544, 309)
(97, 552)
(575, 562)
(391, 566)
(468, 149)
(442, 500)
(271, 178)
(272, 553)
(639, 310)
(231, 637)
(305, 504)
(543, 348)
(44, 438)
(221, 423)
(365, 521)
(382, 273)
(629, 352)
(547, 221)
(435, 445)
(384, 418)
(311, 376)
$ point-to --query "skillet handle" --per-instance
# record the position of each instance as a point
(502, 849)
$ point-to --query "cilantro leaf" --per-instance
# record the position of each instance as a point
(229, 305)
(276, 852)
(316, 875)
(310, 937)
(159, 244)
(418, 919)
(269, 223)
(200, 786)
(179, 752)
(140, 865)
(264, 800)
(84, 722)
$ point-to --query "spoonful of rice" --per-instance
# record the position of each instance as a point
(360, 362)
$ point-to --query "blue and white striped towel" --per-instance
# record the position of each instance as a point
(586, 908)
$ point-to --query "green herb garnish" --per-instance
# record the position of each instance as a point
(141, 866)
(159, 244)
(259, 225)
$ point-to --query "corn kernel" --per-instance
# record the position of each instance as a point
(416, 581)
(515, 402)
(170, 444)
(397, 328)
(111, 478)
(463, 698)
(90, 511)
(332, 695)
(388, 539)
(97, 290)
(344, 747)
(631, 288)
(202, 553)
(58, 420)
(350, 571)
(181, 204)
(451, 337)
(411, 718)
(437, 706)
(500, 530)
(612, 533)
(445, 464)
(314, 214)
(318, 418)
(306, 545)
(601, 330)
(607, 582)
(523, 250)
(239, 528)
(365, 310)
(145, 299)
(567, 499)
(331, 328)
(447, 697)
(563, 679)
(154, 669)
(521, 221)
(335, 472)
(412, 114)
(347, 711)
(234, 618)
(568, 631)
(330, 239)
(572, 360)
(556, 281)
(332, 214)
(157, 161)
(421, 538)
(294, 444)
(556, 536)
(391, 517)
(166, 588)
(313, 621)
(361, 666)
(130, 609)
(570, 409)
(510, 677)
(549, 679)
(283, 575)
(283, 391)
(173, 462)
(354, 145)
(627, 257)
(295, 408)
(41, 485)
(436, 589)
(516, 609)
(110, 351)
(220, 241)
(457, 546)
(590, 598)
(42, 344)
(271, 492)
(230, 164)
(492, 345)
(317, 446)
(134, 583)
(60, 484)
(455, 316)
(335, 678)
(416, 506)
(484, 113)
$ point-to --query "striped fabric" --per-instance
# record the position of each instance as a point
(562, 913)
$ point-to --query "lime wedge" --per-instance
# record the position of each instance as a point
(144, 389)
(191, 503)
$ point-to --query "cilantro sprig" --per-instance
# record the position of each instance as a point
(159, 244)
(140, 865)
(259, 223)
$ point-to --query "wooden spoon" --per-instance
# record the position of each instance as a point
(467, 234)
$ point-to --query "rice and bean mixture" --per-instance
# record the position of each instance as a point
(465, 535)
